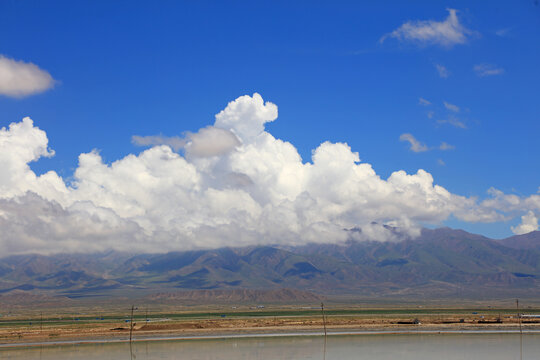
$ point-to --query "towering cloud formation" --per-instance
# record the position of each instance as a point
(246, 116)
(235, 185)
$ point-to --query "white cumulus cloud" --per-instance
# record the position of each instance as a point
(246, 116)
(19, 79)
(211, 141)
(235, 184)
(511, 202)
(529, 222)
(445, 33)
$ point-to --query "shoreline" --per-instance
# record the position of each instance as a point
(57, 331)
(249, 333)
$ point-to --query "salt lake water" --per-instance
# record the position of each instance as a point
(342, 347)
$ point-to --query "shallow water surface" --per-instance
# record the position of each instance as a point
(372, 347)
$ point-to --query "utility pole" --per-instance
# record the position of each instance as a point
(323, 319)
(520, 331)
(324, 324)
(518, 315)
(131, 323)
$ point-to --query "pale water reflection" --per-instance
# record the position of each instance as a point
(372, 347)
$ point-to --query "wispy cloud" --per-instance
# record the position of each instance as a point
(502, 32)
(19, 79)
(445, 33)
(487, 70)
(415, 145)
(452, 120)
(442, 70)
(445, 146)
(441, 162)
(175, 142)
(424, 102)
(451, 107)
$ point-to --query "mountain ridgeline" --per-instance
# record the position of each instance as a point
(441, 263)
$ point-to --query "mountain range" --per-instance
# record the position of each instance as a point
(440, 263)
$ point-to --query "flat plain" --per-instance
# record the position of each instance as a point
(110, 321)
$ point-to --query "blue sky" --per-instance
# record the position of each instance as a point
(129, 68)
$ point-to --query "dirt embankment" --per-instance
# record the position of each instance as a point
(228, 326)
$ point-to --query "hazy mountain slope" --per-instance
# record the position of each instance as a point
(525, 241)
(440, 261)
(235, 295)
